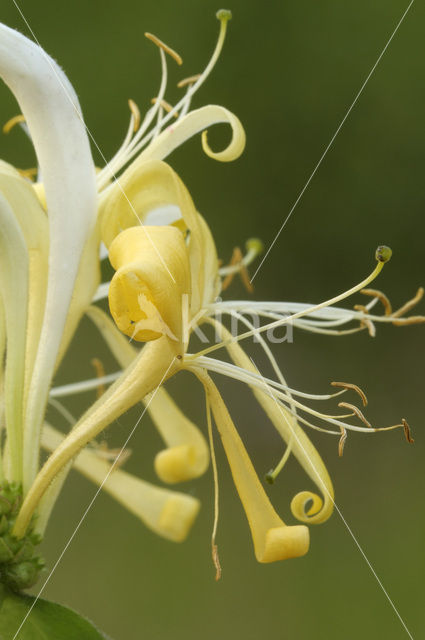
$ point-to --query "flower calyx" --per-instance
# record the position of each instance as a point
(20, 564)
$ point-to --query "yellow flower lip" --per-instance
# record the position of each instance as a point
(282, 543)
(152, 275)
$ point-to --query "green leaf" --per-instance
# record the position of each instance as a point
(47, 620)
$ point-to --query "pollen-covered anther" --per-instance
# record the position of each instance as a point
(365, 322)
(188, 81)
(353, 387)
(341, 441)
(135, 112)
(8, 126)
(237, 262)
(30, 173)
(166, 106)
(399, 321)
(407, 432)
(165, 48)
(100, 373)
(356, 411)
(216, 561)
(375, 293)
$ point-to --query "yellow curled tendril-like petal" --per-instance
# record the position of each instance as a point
(195, 122)
(170, 514)
(151, 279)
(187, 455)
(273, 540)
(305, 506)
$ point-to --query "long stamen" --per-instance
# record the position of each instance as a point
(165, 48)
(383, 255)
(125, 153)
(271, 475)
(223, 16)
(253, 380)
(353, 387)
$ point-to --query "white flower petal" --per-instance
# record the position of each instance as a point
(14, 291)
(52, 112)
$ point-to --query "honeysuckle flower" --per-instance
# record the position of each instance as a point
(166, 286)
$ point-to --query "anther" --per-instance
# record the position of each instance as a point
(136, 114)
(352, 387)
(365, 322)
(374, 293)
(165, 105)
(100, 373)
(356, 411)
(28, 173)
(188, 81)
(383, 253)
(164, 47)
(409, 304)
(216, 561)
(341, 442)
(8, 126)
(237, 261)
(407, 432)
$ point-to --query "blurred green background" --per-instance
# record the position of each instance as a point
(289, 71)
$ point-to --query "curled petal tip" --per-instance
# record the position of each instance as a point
(282, 543)
(310, 508)
(177, 517)
(179, 464)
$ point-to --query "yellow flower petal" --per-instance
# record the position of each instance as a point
(193, 123)
(155, 363)
(167, 513)
(273, 540)
(302, 448)
(146, 187)
(187, 455)
(152, 276)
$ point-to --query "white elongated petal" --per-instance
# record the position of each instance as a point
(53, 115)
(168, 513)
(14, 292)
(195, 122)
(33, 223)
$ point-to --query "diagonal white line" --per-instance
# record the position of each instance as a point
(338, 510)
(92, 138)
(332, 140)
(92, 501)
